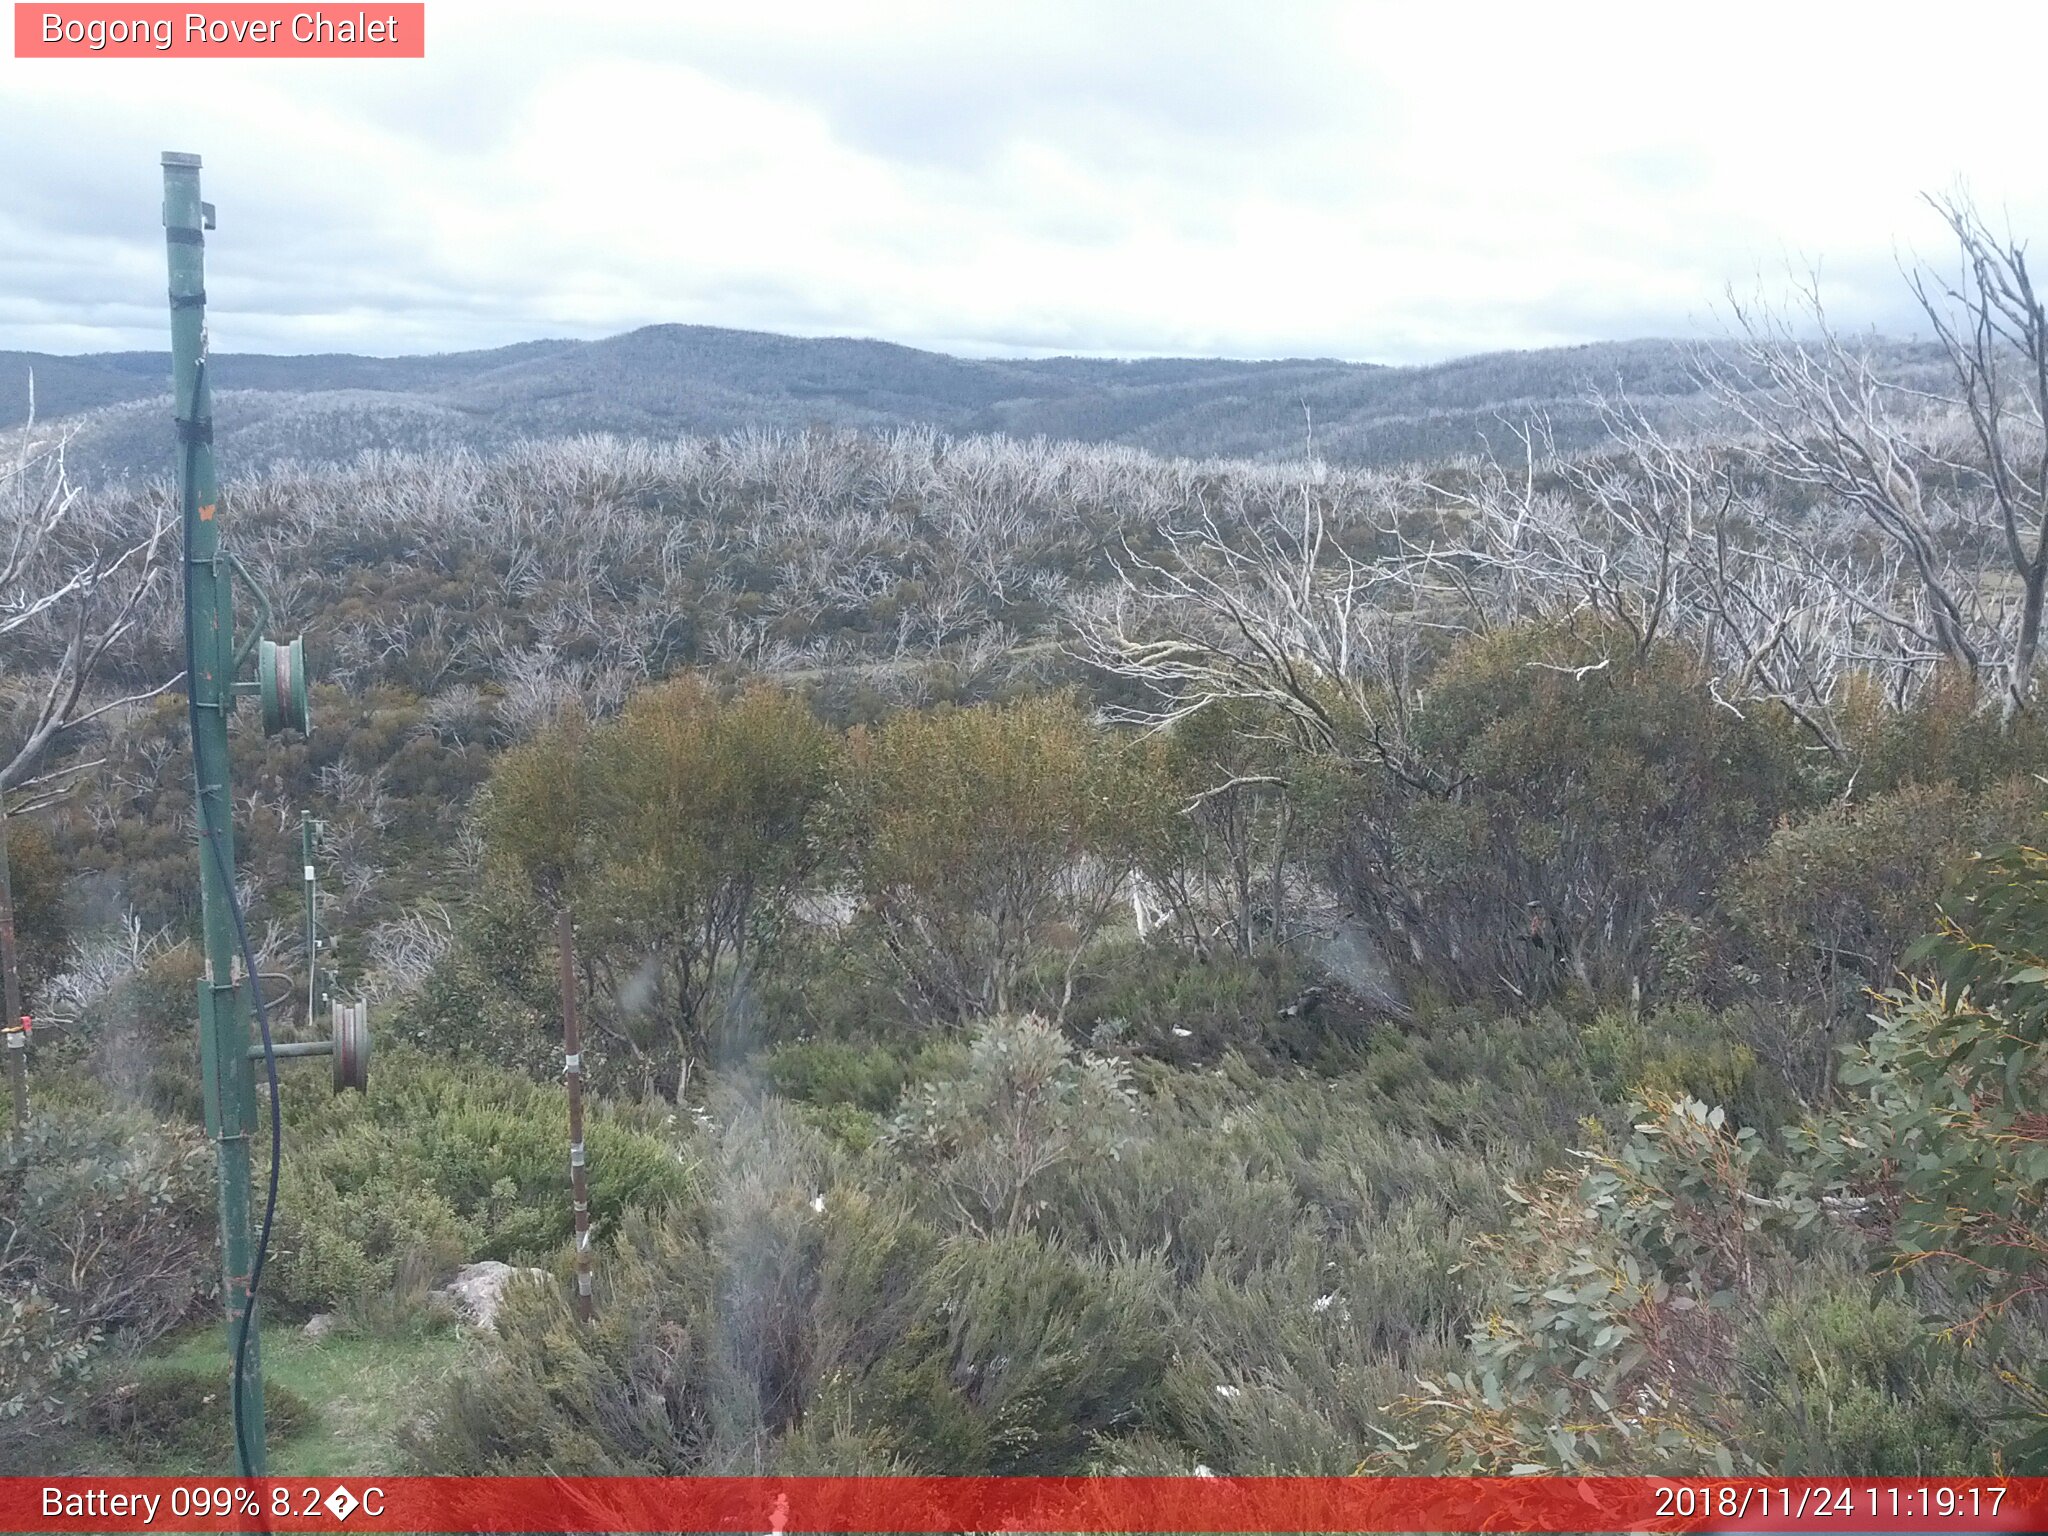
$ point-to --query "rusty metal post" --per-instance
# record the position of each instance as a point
(572, 1072)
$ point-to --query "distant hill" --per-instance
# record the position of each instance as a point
(667, 380)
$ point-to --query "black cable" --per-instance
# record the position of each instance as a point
(276, 1153)
(211, 836)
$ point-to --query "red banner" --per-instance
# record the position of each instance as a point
(231, 31)
(758, 1505)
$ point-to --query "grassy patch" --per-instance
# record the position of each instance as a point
(357, 1393)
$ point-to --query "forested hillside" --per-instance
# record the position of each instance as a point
(662, 380)
(1092, 959)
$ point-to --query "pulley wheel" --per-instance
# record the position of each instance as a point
(351, 1047)
(281, 681)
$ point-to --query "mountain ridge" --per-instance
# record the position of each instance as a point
(671, 380)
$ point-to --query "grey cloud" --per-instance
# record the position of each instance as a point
(971, 79)
(1287, 179)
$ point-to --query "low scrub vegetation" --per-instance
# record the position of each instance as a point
(1098, 964)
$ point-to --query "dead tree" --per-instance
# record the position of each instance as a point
(1655, 537)
(1955, 479)
(72, 584)
(1272, 611)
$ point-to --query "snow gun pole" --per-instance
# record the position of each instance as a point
(228, 1075)
(229, 991)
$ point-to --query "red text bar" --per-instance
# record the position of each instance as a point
(757, 1505)
(232, 31)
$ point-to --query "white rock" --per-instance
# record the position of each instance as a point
(478, 1289)
(319, 1325)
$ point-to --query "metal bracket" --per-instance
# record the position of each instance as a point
(263, 610)
(349, 1045)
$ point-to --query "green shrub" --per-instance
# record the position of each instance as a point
(1607, 1349)
(464, 1009)
(990, 841)
(1678, 1052)
(1946, 735)
(1858, 1387)
(1022, 1107)
(682, 834)
(140, 1036)
(44, 1356)
(1011, 1357)
(830, 1073)
(705, 1334)
(1046, 1353)
(845, 1126)
(106, 1234)
(443, 1162)
(42, 927)
(797, 1314)
(1492, 1080)
(1833, 901)
(1281, 1369)
(178, 1420)
(1941, 1129)
(1596, 791)
(111, 1218)
(334, 1247)
(1160, 1001)
(628, 1394)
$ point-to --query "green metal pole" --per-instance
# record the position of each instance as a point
(229, 1078)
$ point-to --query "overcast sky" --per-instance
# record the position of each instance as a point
(1393, 183)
